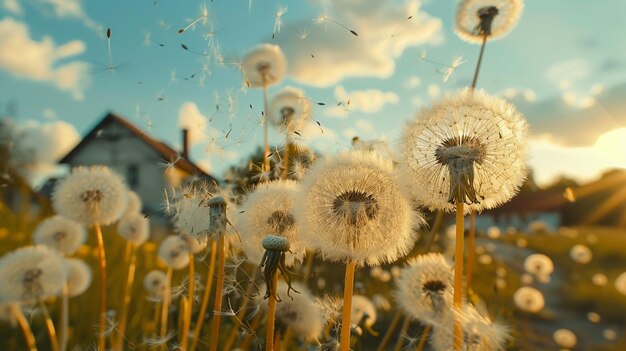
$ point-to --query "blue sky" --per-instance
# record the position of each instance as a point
(564, 65)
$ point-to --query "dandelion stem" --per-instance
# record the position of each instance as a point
(245, 344)
(205, 297)
(424, 337)
(286, 157)
(308, 266)
(405, 327)
(130, 277)
(103, 288)
(167, 295)
(276, 344)
(266, 145)
(389, 332)
(54, 342)
(347, 306)
(190, 299)
(271, 315)
(471, 252)
(219, 289)
(480, 59)
(64, 322)
(458, 273)
(28, 333)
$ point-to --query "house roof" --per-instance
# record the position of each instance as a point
(164, 150)
(533, 201)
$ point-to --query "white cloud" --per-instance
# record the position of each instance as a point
(331, 53)
(549, 160)
(366, 101)
(71, 9)
(24, 57)
(190, 118)
(13, 6)
(582, 99)
(568, 72)
(49, 113)
(434, 91)
(412, 82)
(513, 94)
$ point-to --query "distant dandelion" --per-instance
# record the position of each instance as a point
(61, 234)
(155, 283)
(594, 317)
(529, 299)
(91, 195)
(609, 334)
(425, 288)
(620, 283)
(31, 274)
(264, 66)
(469, 148)
(599, 279)
(363, 311)
(174, 252)
(538, 264)
(269, 209)
(565, 338)
(195, 244)
(79, 276)
(134, 203)
(493, 232)
(581, 254)
(289, 110)
(134, 227)
(477, 19)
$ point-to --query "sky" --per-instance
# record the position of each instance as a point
(563, 66)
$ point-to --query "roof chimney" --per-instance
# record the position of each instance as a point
(185, 154)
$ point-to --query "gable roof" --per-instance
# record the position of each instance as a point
(164, 150)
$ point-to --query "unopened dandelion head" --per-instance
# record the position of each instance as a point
(470, 147)
(299, 313)
(30, 274)
(289, 110)
(269, 209)
(581, 254)
(134, 227)
(61, 234)
(174, 252)
(351, 209)
(529, 299)
(424, 287)
(273, 261)
(91, 195)
(264, 65)
(134, 203)
(538, 264)
(155, 283)
(565, 338)
(78, 278)
(476, 19)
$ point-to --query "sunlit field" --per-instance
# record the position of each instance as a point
(330, 182)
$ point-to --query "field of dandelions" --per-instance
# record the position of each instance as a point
(366, 249)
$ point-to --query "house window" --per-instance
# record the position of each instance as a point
(132, 176)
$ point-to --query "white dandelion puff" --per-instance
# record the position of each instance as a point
(278, 19)
(269, 209)
(78, 278)
(529, 299)
(155, 283)
(134, 203)
(31, 274)
(134, 227)
(61, 234)
(174, 252)
(599, 279)
(363, 311)
(265, 65)
(424, 288)
(538, 264)
(195, 244)
(565, 338)
(620, 283)
(290, 110)
(470, 147)
(351, 209)
(91, 195)
(492, 18)
(581, 254)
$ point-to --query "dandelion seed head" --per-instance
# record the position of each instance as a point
(265, 65)
(61, 234)
(155, 283)
(620, 283)
(192, 213)
(91, 195)
(134, 203)
(381, 302)
(290, 110)
(330, 308)
(581, 254)
(134, 227)
(529, 299)
(538, 264)
(363, 311)
(31, 274)
(424, 287)
(195, 244)
(494, 18)
(174, 252)
(565, 338)
(469, 147)
(78, 277)
(599, 279)
(269, 209)
(351, 209)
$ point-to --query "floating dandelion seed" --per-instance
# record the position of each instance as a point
(581, 254)
(147, 40)
(174, 252)
(565, 338)
(203, 17)
(424, 288)
(278, 19)
(134, 227)
(61, 234)
(447, 73)
(538, 264)
(303, 33)
(91, 195)
(323, 18)
(31, 274)
(78, 278)
(529, 299)
(471, 144)
(289, 110)
(270, 209)
(477, 19)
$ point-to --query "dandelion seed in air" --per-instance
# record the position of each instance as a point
(278, 19)
(323, 19)
(203, 17)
